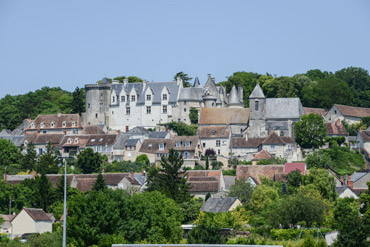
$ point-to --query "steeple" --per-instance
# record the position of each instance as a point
(234, 100)
(196, 82)
(257, 93)
(210, 82)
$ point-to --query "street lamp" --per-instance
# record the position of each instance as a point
(65, 202)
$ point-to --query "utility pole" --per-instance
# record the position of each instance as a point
(10, 205)
(65, 205)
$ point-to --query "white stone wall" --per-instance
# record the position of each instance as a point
(211, 143)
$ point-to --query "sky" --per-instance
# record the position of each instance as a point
(71, 43)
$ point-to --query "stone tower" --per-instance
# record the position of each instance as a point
(211, 97)
(97, 103)
(234, 99)
(257, 111)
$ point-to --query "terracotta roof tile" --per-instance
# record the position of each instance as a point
(105, 139)
(262, 155)
(336, 128)
(365, 134)
(58, 120)
(289, 167)
(203, 186)
(318, 111)
(152, 146)
(223, 116)
(352, 111)
(213, 132)
(37, 214)
(273, 138)
(194, 140)
(240, 142)
(92, 130)
(269, 171)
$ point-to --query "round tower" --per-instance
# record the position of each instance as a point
(97, 103)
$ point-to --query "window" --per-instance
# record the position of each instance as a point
(96, 115)
(164, 96)
(204, 144)
(112, 112)
(186, 155)
(218, 152)
(88, 105)
(213, 132)
(256, 106)
(148, 110)
(76, 140)
(272, 147)
(122, 98)
(40, 151)
(64, 124)
(69, 141)
(150, 145)
(164, 109)
(113, 99)
(187, 144)
(32, 125)
(133, 97)
(52, 124)
(44, 131)
(161, 146)
(213, 104)
(218, 143)
(73, 124)
(178, 144)
(282, 133)
(184, 109)
(42, 125)
(127, 110)
(148, 97)
(335, 111)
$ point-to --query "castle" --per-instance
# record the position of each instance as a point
(123, 106)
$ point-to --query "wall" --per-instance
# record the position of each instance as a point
(23, 223)
(211, 143)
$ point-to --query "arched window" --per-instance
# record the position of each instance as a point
(52, 124)
(76, 140)
(73, 124)
(69, 141)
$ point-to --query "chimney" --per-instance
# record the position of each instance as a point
(131, 174)
(178, 80)
(125, 82)
(59, 114)
(337, 123)
(214, 80)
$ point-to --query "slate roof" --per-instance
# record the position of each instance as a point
(211, 88)
(289, 167)
(223, 116)
(213, 132)
(319, 111)
(229, 181)
(139, 130)
(196, 82)
(352, 111)
(58, 120)
(152, 146)
(269, 171)
(121, 142)
(234, 97)
(218, 205)
(37, 214)
(357, 175)
(242, 142)
(191, 94)
(262, 155)
(158, 134)
(273, 138)
(283, 108)
(341, 189)
(131, 142)
(16, 140)
(257, 93)
(336, 128)
(106, 139)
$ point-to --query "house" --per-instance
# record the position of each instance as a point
(139, 132)
(236, 119)
(134, 183)
(345, 192)
(31, 220)
(256, 172)
(282, 147)
(289, 167)
(245, 148)
(357, 182)
(56, 124)
(103, 144)
(72, 145)
(155, 148)
(6, 226)
(40, 141)
(132, 147)
(203, 182)
(350, 114)
(336, 129)
(262, 155)
(189, 147)
(363, 143)
(220, 205)
(319, 111)
(216, 138)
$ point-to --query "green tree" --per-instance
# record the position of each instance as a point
(89, 161)
(263, 196)
(322, 182)
(99, 184)
(243, 190)
(29, 159)
(143, 159)
(284, 188)
(294, 178)
(44, 193)
(169, 179)
(190, 210)
(206, 234)
(193, 115)
(310, 131)
(9, 153)
(78, 101)
(48, 161)
(182, 129)
(185, 78)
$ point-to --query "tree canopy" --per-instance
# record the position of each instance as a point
(310, 131)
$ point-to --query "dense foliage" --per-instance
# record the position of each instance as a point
(182, 129)
(310, 131)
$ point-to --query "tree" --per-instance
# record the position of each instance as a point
(9, 153)
(321, 181)
(193, 115)
(210, 152)
(78, 101)
(99, 184)
(182, 129)
(29, 159)
(169, 179)
(310, 131)
(242, 189)
(89, 161)
(284, 188)
(143, 159)
(44, 193)
(185, 78)
(294, 178)
(48, 161)
(206, 234)
(190, 210)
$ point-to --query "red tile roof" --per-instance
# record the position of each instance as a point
(223, 116)
(37, 214)
(289, 167)
(213, 132)
(336, 128)
(318, 111)
(273, 138)
(352, 111)
(262, 155)
(269, 171)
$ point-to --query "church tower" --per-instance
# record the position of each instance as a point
(257, 113)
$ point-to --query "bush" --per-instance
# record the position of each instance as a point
(272, 161)
(229, 172)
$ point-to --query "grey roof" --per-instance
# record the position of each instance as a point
(139, 130)
(121, 141)
(105, 80)
(212, 90)
(158, 134)
(341, 189)
(196, 82)
(257, 92)
(218, 205)
(357, 175)
(234, 97)
(132, 142)
(229, 181)
(17, 140)
(191, 94)
(5, 132)
(140, 178)
(283, 108)
(157, 88)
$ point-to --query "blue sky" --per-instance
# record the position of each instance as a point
(71, 43)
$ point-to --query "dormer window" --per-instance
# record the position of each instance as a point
(42, 125)
(73, 124)
(187, 144)
(69, 141)
(64, 124)
(122, 98)
(161, 146)
(32, 125)
(164, 96)
(213, 132)
(52, 124)
(133, 98)
(150, 145)
(26, 143)
(178, 144)
(148, 97)
(113, 99)
(76, 140)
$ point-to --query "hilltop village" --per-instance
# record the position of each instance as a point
(227, 161)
